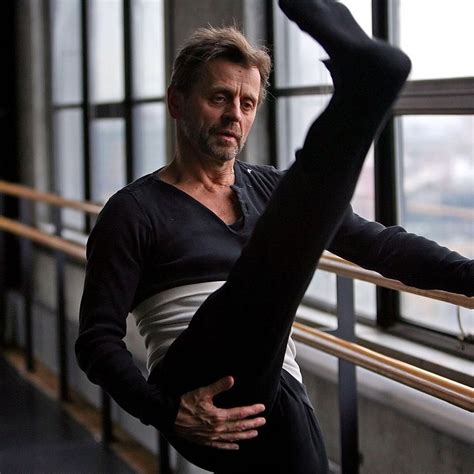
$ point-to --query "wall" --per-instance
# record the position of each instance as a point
(33, 94)
(401, 430)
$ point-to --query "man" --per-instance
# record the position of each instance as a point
(213, 256)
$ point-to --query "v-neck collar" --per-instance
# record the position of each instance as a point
(237, 226)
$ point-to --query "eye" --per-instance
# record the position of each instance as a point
(247, 105)
(218, 99)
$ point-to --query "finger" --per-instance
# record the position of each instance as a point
(242, 425)
(236, 436)
(240, 413)
(226, 446)
(222, 385)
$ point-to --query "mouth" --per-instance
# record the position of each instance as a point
(229, 134)
(228, 138)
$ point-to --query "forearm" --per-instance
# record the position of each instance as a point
(397, 254)
(423, 263)
(109, 364)
(116, 253)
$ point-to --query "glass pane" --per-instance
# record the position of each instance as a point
(106, 43)
(66, 54)
(294, 117)
(442, 48)
(437, 196)
(437, 315)
(323, 287)
(363, 201)
(149, 138)
(365, 299)
(437, 176)
(108, 173)
(297, 55)
(148, 48)
(69, 162)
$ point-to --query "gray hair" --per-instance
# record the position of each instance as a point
(206, 44)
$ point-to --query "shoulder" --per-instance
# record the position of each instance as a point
(261, 175)
(139, 194)
(142, 188)
(129, 204)
(264, 170)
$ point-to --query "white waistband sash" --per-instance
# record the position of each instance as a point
(162, 317)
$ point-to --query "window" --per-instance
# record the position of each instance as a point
(426, 151)
(435, 143)
(108, 72)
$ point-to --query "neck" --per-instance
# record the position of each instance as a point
(189, 167)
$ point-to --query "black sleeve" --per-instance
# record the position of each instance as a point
(116, 250)
(397, 254)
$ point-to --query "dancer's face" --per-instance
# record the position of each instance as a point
(218, 113)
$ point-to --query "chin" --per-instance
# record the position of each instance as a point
(223, 154)
(225, 157)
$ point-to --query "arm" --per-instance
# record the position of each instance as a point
(116, 251)
(409, 258)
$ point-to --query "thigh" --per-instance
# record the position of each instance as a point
(220, 341)
(295, 443)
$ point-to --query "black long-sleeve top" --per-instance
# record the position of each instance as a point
(150, 236)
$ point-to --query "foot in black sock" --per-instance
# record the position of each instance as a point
(358, 64)
(328, 22)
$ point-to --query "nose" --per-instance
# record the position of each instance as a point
(233, 111)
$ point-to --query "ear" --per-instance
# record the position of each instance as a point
(175, 102)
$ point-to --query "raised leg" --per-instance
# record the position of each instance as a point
(243, 328)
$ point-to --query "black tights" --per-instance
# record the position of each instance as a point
(242, 329)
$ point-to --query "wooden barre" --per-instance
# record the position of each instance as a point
(422, 380)
(26, 192)
(76, 251)
(347, 269)
(22, 191)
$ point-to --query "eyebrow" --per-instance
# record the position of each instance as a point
(229, 91)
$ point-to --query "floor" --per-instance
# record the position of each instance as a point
(37, 436)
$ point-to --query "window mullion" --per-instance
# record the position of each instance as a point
(128, 82)
(85, 106)
(385, 176)
(272, 94)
